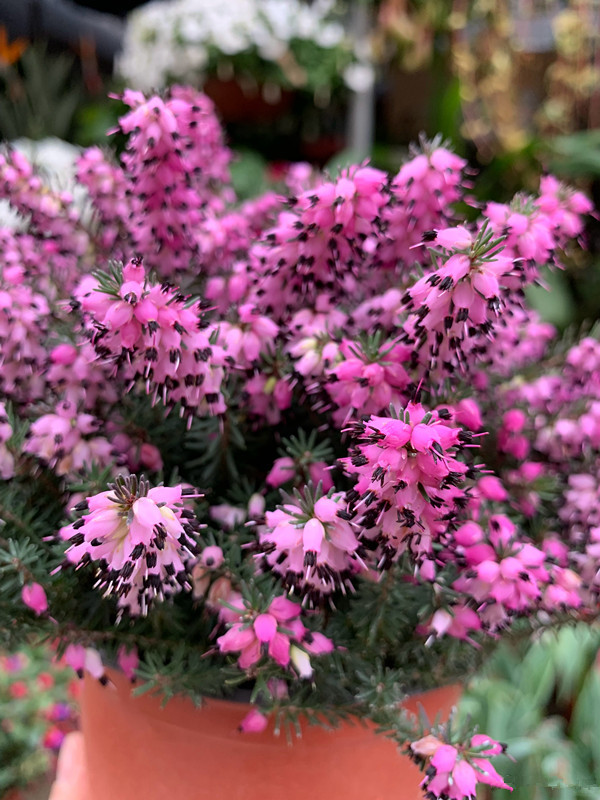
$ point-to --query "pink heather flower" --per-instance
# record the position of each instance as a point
(510, 437)
(107, 187)
(525, 485)
(424, 192)
(228, 516)
(408, 480)
(536, 229)
(504, 574)
(309, 544)
(468, 413)
(128, 661)
(490, 487)
(77, 375)
(212, 557)
(137, 456)
(168, 350)
(229, 287)
(329, 236)
(454, 308)
(282, 471)
(7, 461)
(382, 311)
(267, 396)
(252, 335)
(170, 179)
(563, 206)
(272, 633)
(254, 722)
(311, 339)
(457, 621)
(300, 470)
(368, 377)
(65, 440)
(520, 339)
(83, 659)
(24, 321)
(34, 596)
(314, 354)
(453, 771)
(53, 221)
(144, 540)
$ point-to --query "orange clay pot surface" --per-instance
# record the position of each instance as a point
(136, 749)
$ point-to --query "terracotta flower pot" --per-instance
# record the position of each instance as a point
(134, 748)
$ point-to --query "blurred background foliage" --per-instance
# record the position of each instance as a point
(37, 709)
(514, 86)
(542, 700)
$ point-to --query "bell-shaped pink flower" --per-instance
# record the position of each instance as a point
(34, 596)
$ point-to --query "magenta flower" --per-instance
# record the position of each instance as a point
(453, 771)
(330, 234)
(408, 481)
(170, 179)
(128, 661)
(169, 351)
(454, 307)
(277, 633)
(254, 722)
(424, 191)
(367, 378)
(67, 440)
(143, 539)
(83, 659)
(310, 545)
(34, 596)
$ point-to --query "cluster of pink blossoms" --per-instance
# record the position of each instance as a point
(156, 336)
(535, 229)
(54, 223)
(504, 574)
(324, 244)
(24, 322)
(310, 543)
(454, 308)
(367, 377)
(67, 440)
(278, 633)
(409, 483)
(155, 201)
(422, 197)
(141, 540)
(453, 772)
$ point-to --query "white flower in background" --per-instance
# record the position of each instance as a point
(55, 161)
(359, 77)
(9, 217)
(330, 35)
(53, 157)
(176, 40)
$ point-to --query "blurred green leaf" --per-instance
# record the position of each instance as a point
(248, 174)
(575, 155)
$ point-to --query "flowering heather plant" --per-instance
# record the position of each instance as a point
(316, 447)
